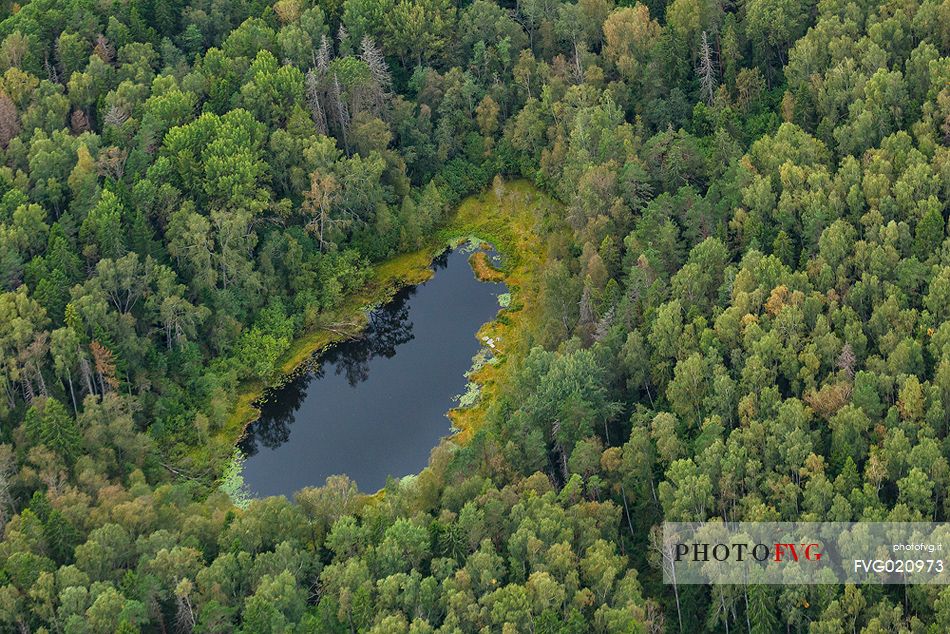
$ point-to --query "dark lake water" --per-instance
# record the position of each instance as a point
(375, 406)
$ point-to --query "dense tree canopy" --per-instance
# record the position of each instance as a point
(751, 243)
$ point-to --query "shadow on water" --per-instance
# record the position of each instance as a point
(374, 406)
(388, 328)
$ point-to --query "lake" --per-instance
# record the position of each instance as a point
(375, 406)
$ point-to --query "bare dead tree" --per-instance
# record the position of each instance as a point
(116, 116)
(342, 39)
(313, 102)
(382, 81)
(185, 613)
(29, 361)
(78, 121)
(585, 306)
(847, 360)
(662, 555)
(28, 394)
(85, 368)
(577, 67)
(604, 324)
(341, 109)
(707, 69)
(317, 88)
(377, 64)
(723, 610)
(111, 162)
(324, 55)
(317, 204)
(51, 73)
(655, 619)
(104, 49)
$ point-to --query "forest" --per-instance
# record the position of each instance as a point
(749, 242)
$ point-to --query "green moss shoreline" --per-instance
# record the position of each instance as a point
(509, 218)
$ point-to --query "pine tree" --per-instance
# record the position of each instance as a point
(61, 537)
(48, 423)
(762, 619)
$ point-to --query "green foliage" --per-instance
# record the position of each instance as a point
(751, 243)
(48, 423)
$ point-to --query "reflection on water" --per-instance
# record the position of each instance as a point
(375, 406)
(388, 328)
